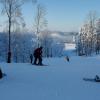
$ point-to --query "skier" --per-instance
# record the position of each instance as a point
(38, 56)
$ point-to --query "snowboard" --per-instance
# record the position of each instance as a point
(91, 80)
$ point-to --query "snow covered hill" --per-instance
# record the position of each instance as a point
(69, 49)
(60, 80)
(68, 37)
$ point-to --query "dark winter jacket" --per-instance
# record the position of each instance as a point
(38, 52)
(1, 75)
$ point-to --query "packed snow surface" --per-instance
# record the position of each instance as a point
(60, 80)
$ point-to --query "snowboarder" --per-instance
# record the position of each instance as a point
(1, 75)
(31, 58)
(97, 78)
(38, 56)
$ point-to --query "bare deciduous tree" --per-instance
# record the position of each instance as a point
(87, 36)
(12, 9)
(40, 21)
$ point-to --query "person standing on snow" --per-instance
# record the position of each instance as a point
(38, 56)
(31, 58)
(1, 74)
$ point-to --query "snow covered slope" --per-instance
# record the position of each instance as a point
(69, 49)
(59, 80)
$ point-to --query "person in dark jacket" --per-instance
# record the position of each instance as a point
(67, 58)
(1, 75)
(31, 58)
(97, 78)
(38, 56)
